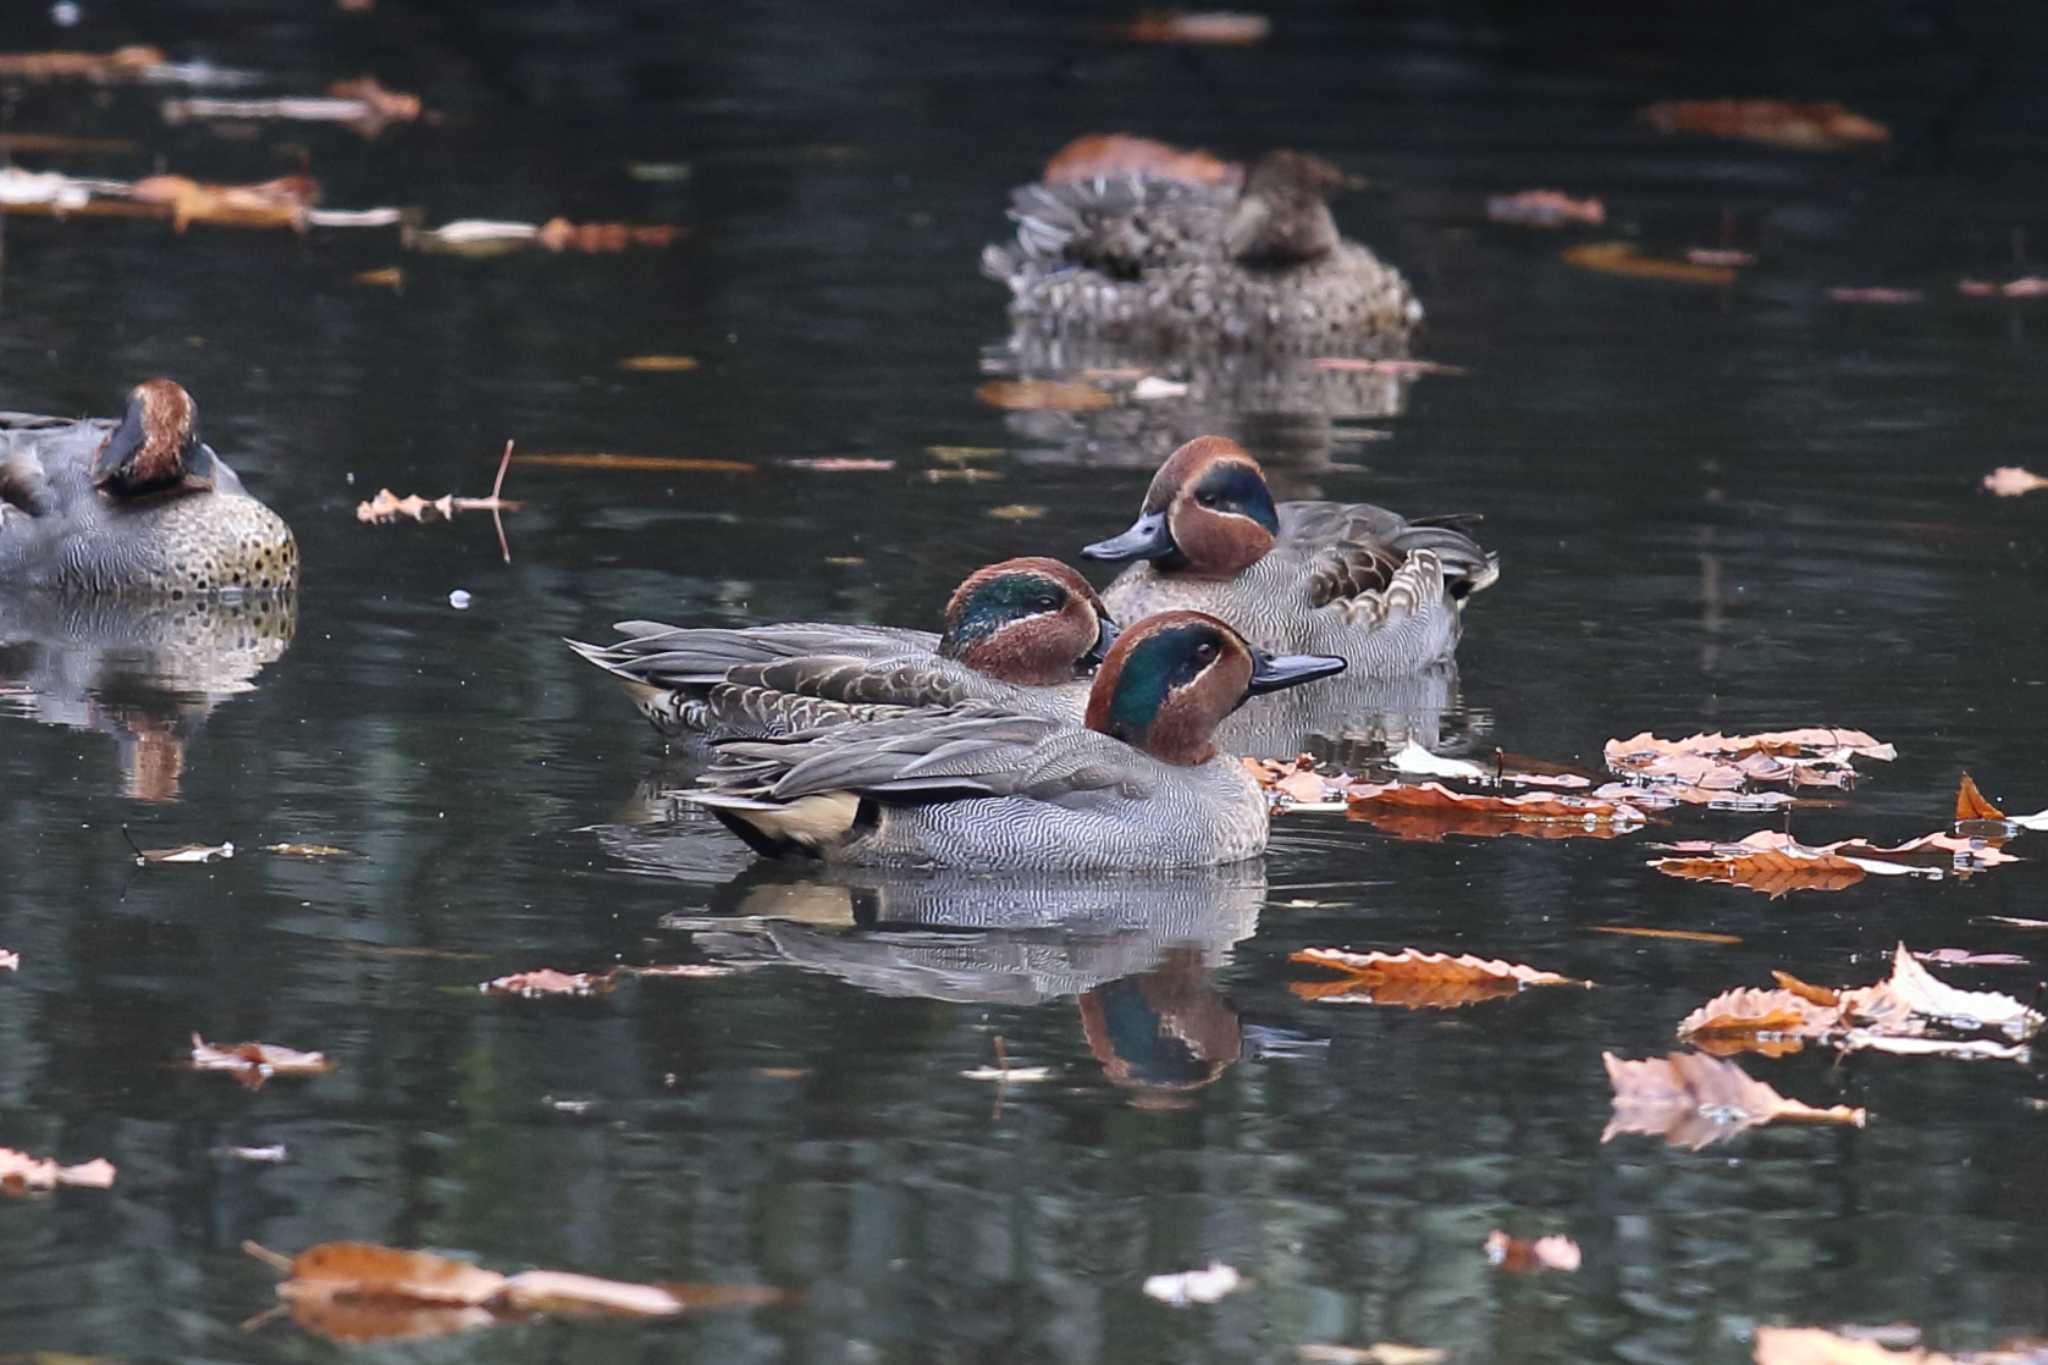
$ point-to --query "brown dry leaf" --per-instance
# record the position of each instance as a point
(1225, 28)
(1621, 258)
(659, 364)
(1684, 935)
(2025, 287)
(667, 463)
(1749, 1020)
(1825, 996)
(59, 142)
(547, 981)
(1771, 871)
(1042, 395)
(559, 234)
(1095, 156)
(361, 1322)
(390, 277)
(1644, 753)
(1490, 814)
(20, 1173)
(309, 852)
(1520, 1257)
(1412, 979)
(1379, 1353)
(255, 1063)
(280, 203)
(1819, 125)
(1544, 208)
(2010, 481)
(1017, 511)
(1873, 294)
(385, 106)
(1691, 1100)
(121, 64)
(1911, 999)
(337, 1270)
(10, 961)
(682, 969)
(1971, 805)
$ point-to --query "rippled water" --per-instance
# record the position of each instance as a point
(1717, 508)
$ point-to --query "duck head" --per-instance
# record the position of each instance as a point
(156, 448)
(1172, 678)
(1208, 512)
(1282, 216)
(1032, 621)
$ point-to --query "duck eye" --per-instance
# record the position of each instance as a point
(1048, 603)
(1204, 652)
(1206, 498)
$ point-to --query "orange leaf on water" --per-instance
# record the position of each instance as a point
(1044, 395)
(1622, 258)
(1685, 935)
(1225, 28)
(1413, 979)
(255, 1063)
(1751, 1020)
(1692, 1101)
(1971, 805)
(1519, 1257)
(366, 1270)
(1460, 812)
(1819, 125)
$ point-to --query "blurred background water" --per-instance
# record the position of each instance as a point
(1738, 507)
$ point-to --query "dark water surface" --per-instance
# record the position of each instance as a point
(1717, 508)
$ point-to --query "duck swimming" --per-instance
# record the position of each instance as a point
(139, 507)
(1025, 634)
(1138, 253)
(1141, 786)
(1352, 579)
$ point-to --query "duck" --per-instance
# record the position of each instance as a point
(1139, 786)
(137, 507)
(1136, 247)
(1386, 593)
(1026, 634)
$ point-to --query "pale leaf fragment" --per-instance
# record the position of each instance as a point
(1379, 1353)
(1520, 1257)
(2010, 481)
(1691, 1100)
(1207, 1285)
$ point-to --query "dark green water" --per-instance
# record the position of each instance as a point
(1717, 508)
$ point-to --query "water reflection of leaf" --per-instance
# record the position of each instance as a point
(1693, 1101)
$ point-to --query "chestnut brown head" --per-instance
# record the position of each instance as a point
(156, 447)
(1282, 216)
(1032, 621)
(1207, 513)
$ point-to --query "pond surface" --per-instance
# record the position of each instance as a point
(1738, 508)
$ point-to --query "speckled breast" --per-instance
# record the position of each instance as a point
(215, 544)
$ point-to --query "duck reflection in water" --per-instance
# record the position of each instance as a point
(1136, 953)
(147, 672)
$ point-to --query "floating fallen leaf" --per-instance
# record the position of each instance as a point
(1719, 255)
(1622, 258)
(1820, 125)
(271, 1155)
(1773, 862)
(660, 172)
(962, 476)
(309, 852)
(659, 364)
(1013, 1075)
(10, 961)
(692, 970)
(1208, 1285)
(1017, 511)
(1750, 1020)
(1912, 999)
(679, 464)
(59, 142)
(841, 464)
(1771, 871)
(1639, 752)
(1225, 28)
(20, 1173)
(962, 454)
(255, 1063)
(387, 506)
(1544, 208)
(2014, 923)
(1412, 760)
(1971, 805)
(547, 981)
(1152, 388)
(389, 105)
(390, 277)
(1666, 793)
(559, 234)
(2009, 481)
(1963, 957)
(1519, 1257)
(1691, 1100)
(1097, 156)
(183, 853)
(1430, 810)
(1379, 1353)
(1686, 935)
(2025, 287)
(280, 203)
(1049, 395)
(1412, 979)
(1873, 294)
(1365, 365)
(123, 63)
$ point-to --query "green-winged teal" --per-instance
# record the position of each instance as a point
(1024, 634)
(138, 507)
(1141, 786)
(1142, 256)
(1351, 579)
